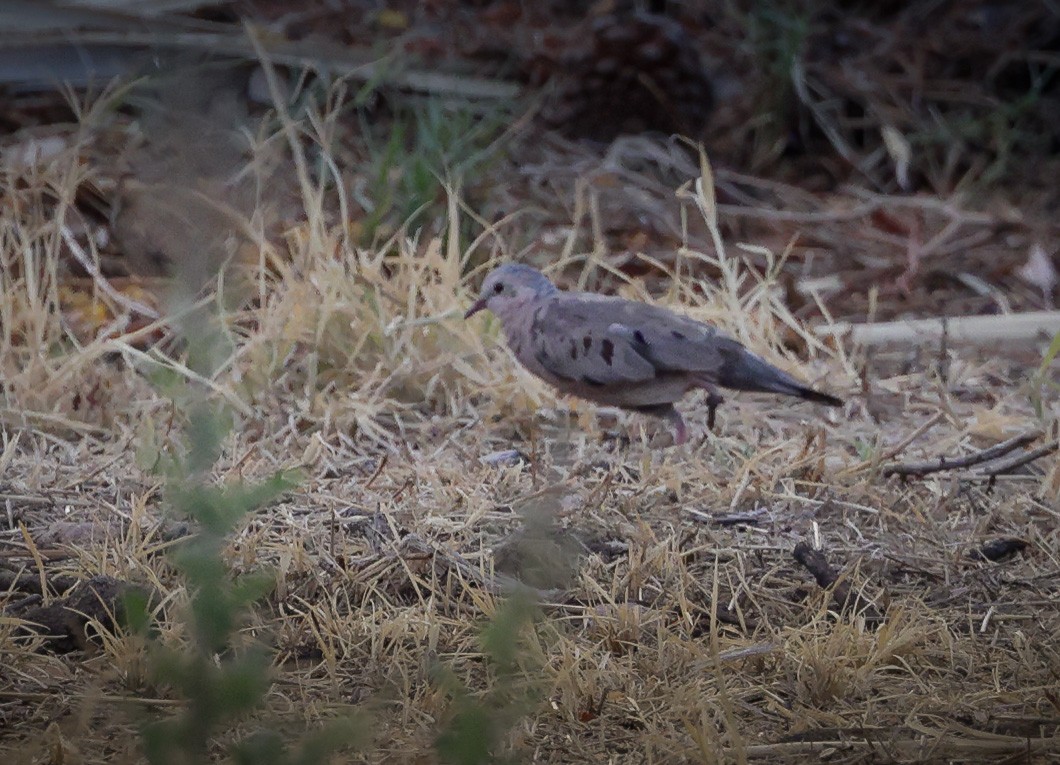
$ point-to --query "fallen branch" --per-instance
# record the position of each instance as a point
(1001, 467)
(917, 748)
(1014, 327)
(953, 463)
(901, 447)
(317, 55)
(817, 564)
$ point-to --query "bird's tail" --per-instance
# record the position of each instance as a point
(744, 370)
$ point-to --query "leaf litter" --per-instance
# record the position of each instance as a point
(679, 625)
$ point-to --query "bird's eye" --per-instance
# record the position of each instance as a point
(498, 289)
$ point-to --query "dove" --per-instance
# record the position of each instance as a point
(623, 353)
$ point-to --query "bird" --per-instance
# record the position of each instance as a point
(624, 353)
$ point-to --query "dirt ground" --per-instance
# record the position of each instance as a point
(877, 583)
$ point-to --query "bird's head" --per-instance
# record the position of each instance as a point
(510, 286)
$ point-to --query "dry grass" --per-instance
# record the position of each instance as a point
(677, 627)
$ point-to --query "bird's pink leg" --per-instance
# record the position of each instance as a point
(680, 431)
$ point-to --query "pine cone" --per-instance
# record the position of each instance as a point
(638, 73)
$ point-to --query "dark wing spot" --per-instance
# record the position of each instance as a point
(535, 325)
(591, 381)
(573, 350)
(587, 342)
(607, 350)
(639, 337)
(159, 260)
(677, 335)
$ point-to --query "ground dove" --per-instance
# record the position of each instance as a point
(622, 353)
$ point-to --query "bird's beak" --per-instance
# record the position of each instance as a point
(477, 306)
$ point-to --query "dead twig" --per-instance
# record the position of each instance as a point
(1028, 326)
(816, 563)
(1001, 467)
(976, 458)
(912, 747)
(896, 450)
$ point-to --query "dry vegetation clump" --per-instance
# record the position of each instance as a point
(670, 620)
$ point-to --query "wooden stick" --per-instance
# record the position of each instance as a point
(320, 56)
(1019, 460)
(890, 454)
(952, 463)
(804, 751)
(816, 563)
(1021, 327)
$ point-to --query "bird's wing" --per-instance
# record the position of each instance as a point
(607, 341)
(672, 342)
